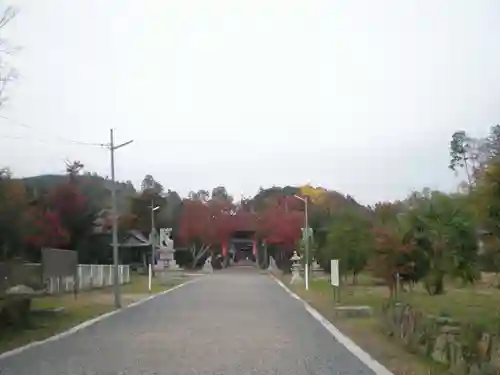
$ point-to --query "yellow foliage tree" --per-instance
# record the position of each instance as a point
(315, 195)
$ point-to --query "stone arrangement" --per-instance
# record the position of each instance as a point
(316, 270)
(296, 278)
(463, 348)
(207, 267)
(166, 263)
(272, 264)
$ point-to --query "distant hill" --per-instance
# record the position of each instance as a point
(337, 200)
(95, 187)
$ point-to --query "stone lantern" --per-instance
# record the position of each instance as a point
(296, 278)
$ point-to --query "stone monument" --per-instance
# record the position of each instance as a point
(272, 264)
(166, 250)
(207, 267)
(296, 278)
(316, 269)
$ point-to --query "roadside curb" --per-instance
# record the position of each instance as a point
(350, 345)
(89, 322)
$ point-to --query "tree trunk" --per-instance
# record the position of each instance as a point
(434, 284)
(198, 254)
(257, 257)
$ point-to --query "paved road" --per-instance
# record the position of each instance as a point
(231, 323)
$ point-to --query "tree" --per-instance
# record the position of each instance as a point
(149, 184)
(315, 195)
(487, 200)
(45, 229)
(195, 227)
(386, 212)
(442, 227)
(75, 211)
(169, 216)
(471, 153)
(220, 193)
(141, 209)
(474, 154)
(200, 195)
(13, 206)
(493, 142)
(349, 239)
(73, 169)
(392, 255)
(280, 227)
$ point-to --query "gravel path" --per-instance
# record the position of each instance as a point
(231, 323)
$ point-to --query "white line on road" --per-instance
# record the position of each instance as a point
(363, 356)
(90, 322)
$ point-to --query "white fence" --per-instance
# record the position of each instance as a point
(89, 276)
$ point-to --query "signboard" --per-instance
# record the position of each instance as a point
(304, 233)
(58, 263)
(334, 276)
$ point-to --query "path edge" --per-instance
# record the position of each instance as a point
(350, 345)
(88, 323)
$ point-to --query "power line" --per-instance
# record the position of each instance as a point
(23, 138)
(56, 137)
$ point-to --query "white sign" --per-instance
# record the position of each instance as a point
(334, 276)
(308, 233)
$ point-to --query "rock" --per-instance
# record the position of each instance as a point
(15, 310)
(48, 312)
(354, 311)
(20, 290)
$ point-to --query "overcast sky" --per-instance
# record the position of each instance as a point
(357, 96)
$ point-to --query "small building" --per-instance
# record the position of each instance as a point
(135, 249)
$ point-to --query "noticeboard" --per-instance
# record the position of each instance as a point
(334, 272)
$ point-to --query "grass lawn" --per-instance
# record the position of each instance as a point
(85, 306)
(478, 304)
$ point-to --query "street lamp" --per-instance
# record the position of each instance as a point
(153, 252)
(306, 229)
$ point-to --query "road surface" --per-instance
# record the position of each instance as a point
(231, 323)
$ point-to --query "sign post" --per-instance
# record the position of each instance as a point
(335, 278)
(149, 277)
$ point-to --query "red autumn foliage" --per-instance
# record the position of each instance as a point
(245, 221)
(46, 229)
(280, 225)
(214, 222)
(206, 223)
(67, 201)
(391, 256)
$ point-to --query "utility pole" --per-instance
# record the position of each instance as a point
(307, 243)
(116, 280)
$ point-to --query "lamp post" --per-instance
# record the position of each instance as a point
(153, 250)
(306, 230)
